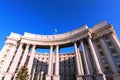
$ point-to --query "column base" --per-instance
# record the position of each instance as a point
(56, 77)
(88, 77)
(79, 77)
(100, 77)
(116, 76)
(8, 77)
(1, 76)
(48, 77)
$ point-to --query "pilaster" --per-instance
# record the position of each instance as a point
(98, 67)
(115, 41)
(8, 59)
(109, 56)
(14, 63)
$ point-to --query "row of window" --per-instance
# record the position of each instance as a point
(114, 54)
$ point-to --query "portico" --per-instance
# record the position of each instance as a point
(88, 61)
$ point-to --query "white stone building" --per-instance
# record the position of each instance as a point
(96, 55)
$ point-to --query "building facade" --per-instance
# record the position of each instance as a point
(96, 55)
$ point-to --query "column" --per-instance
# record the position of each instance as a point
(100, 75)
(38, 73)
(33, 72)
(109, 56)
(25, 54)
(14, 63)
(57, 76)
(80, 60)
(88, 76)
(115, 41)
(50, 65)
(99, 58)
(79, 73)
(41, 75)
(8, 60)
(88, 58)
(31, 59)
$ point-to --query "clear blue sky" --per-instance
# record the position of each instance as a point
(43, 16)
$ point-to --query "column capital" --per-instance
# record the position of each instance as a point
(89, 37)
(21, 43)
(32, 44)
(81, 40)
(27, 44)
(51, 45)
(34, 47)
(57, 45)
(74, 42)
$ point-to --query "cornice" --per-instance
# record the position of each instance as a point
(64, 38)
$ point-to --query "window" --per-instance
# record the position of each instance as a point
(37, 61)
(109, 43)
(107, 70)
(113, 51)
(104, 61)
(119, 66)
(42, 59)
(73, 61)
(60, 59)
(117, 58)
(5, 55)
(97, 41)
(10, 45)
(64, 70)
(106, 37)
(99, 47)
(101, 53)
(64, 62)
(7, 50)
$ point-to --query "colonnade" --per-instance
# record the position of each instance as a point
(18, 57)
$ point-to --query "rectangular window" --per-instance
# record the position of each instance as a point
(97, 41)
(119, 66)
(101, 53)
(104, 61)
(99, 47)
(109, 43)
(106, 37)
(113, 51)
(117, 59)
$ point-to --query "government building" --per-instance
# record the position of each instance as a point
(95, 55)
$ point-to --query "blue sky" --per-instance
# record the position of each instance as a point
(44, 16)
